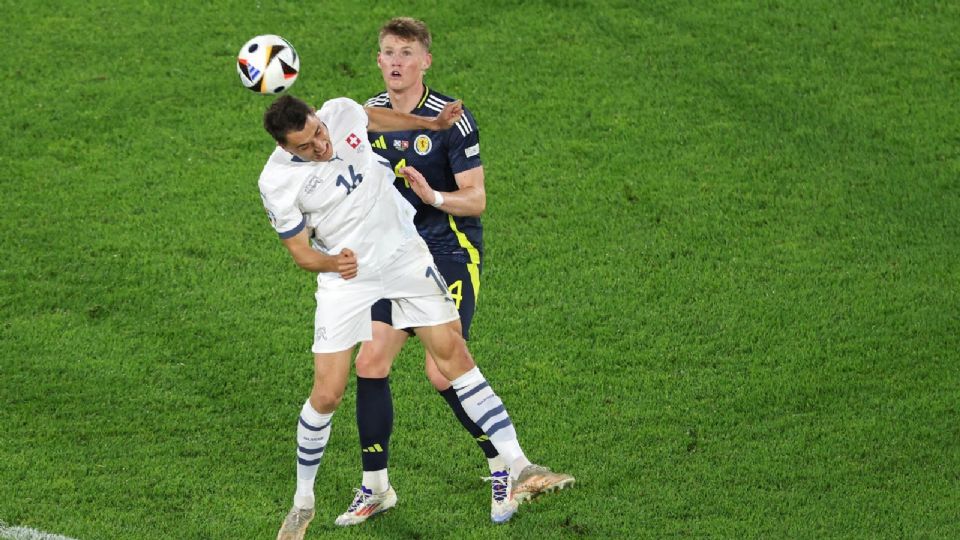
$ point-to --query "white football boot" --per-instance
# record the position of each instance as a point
(365, 505)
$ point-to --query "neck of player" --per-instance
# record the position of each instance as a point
(406, 100)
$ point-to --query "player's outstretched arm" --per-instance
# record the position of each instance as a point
(344, 263)
(383, 120)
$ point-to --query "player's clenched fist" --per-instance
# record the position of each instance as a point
(451, 113)
(347, 264)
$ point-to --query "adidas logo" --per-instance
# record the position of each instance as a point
(373, 449)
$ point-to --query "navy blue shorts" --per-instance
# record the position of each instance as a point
(463, 281)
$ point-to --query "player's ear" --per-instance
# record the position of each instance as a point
(427, 60)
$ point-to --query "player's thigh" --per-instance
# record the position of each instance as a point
(330, 373)
(448, 349)
(376, 355)
(342, 317)
(463, 283)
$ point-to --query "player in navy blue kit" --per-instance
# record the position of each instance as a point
(449, 198)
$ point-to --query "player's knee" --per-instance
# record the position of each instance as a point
(453, 358)
(325, 400)
(372, 362)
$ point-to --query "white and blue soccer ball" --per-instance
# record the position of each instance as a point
(268, 64)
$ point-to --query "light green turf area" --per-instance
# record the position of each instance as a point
(721, 286)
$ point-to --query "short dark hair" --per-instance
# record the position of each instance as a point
(284, 115)
(409, 29)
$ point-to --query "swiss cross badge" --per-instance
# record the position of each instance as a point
(353, 140)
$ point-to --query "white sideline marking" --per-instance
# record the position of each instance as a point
(26, 533)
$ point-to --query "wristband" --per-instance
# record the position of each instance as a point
(437, 199)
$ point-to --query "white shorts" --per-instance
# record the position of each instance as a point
(410, 279)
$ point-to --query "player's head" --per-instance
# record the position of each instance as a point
(295, 127)
(404, 52)
(407, 29)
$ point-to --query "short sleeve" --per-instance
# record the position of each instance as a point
(281, 206)
(463, 144)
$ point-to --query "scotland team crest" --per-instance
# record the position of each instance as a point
(422, 145)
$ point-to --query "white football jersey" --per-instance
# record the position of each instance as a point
(347, 202)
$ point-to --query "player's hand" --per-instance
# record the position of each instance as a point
(451, 113)
(418, 184)
(347, 264)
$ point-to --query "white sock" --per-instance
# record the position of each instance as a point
(313, 432)
(496, 464)
(484, 407)
(518, 465)
(376, 481)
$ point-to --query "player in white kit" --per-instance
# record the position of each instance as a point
(332, 201)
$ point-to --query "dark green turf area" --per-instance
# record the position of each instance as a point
(721, 281)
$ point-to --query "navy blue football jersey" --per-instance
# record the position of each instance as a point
(438, 155)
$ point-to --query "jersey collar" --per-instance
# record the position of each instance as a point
(423, 99)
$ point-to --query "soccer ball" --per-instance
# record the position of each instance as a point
(268, 64)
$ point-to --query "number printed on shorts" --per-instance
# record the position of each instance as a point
(432, 273)
(456, 292)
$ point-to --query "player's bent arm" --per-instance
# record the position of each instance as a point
(305, 256)
(469, 200)
(380, 119)
(345, 263)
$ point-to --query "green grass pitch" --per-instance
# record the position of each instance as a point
(721, 286)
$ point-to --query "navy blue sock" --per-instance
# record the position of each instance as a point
(478, 435)
(374, 421)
